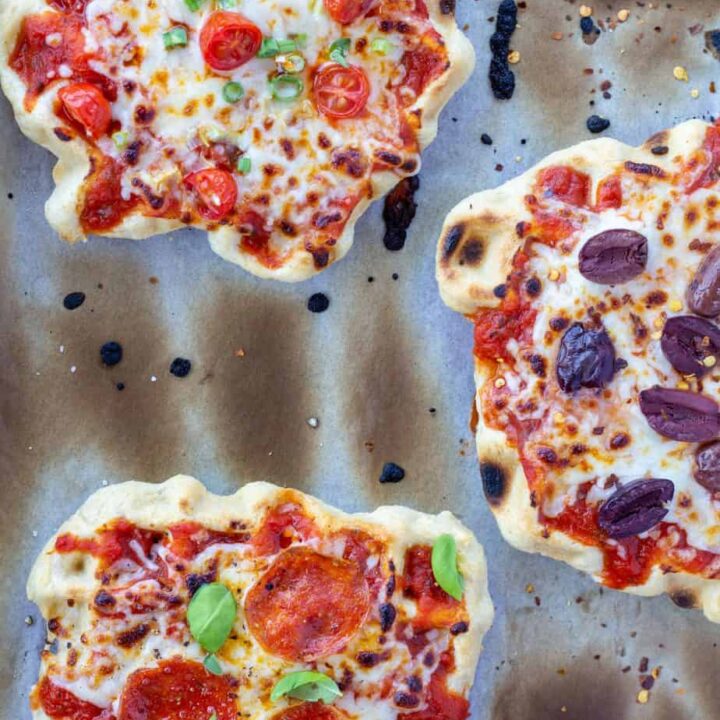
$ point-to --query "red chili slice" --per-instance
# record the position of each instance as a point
(215, 190)
(341, 92)
(565, 184)
(436, 609)
(442, 703)
(177, 690)
(57, 702)
(308, 711)
(88, 107)
(609, 193)
(228, 40)
(307, 606)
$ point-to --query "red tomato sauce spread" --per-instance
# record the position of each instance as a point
(189, 539)
(442, 703)
(703, 170)
(283, 525)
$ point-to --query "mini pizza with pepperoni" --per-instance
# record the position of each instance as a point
(593, 284)
(166, 602)
(271, 124)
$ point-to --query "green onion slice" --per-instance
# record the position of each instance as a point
(381, 46)
(244, 165)
(232, 91)
(293, 63)
(194, 5)
(270, 47)
(286, 87)
(120, 138)
(339, 50)
(175, 37)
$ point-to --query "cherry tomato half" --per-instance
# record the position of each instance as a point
(87, 106)
(345, 11)
(340, 92)
(228, 40)
(216, 191)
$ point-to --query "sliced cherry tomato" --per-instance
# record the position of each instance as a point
(345, 11)
(216, 191)
(86, 105)
(57, 702)
(341, 92)
(228, 40)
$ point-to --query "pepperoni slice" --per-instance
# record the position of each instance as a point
(436, 609)
(177, 689)
(307, 606)
(308, 711)
(57, 702)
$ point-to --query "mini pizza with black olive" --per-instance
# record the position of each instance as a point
(270, 124)
(593, 284)
(166, 602)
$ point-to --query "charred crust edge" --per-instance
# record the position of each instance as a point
(494, 482)
(452, 240)
(447, 7)
(684, 599)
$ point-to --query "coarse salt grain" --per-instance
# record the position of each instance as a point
(514, 57)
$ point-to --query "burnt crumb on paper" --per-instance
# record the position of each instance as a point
(391, 473)
(73, 300)
(318, 303)
(502, 78)
(180, 367)
(399, 211)
(712, 43)
(111, 353)
(596, 124)
(485, 139)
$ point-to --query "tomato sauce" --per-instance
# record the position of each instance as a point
(34, 56)
(359, 547)
(69, 6)
(442, 703)
(307, 711)
(57, 702)
(178, 690)
(103, 206)
(565, 184)
(609, 193)
(708, 173)
(435, 608)
(189, 539)
(119, 540)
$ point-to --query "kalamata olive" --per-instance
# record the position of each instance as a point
(635, 507)
(613, 256)
(703, 294)
(707, 466)
(586, 359)
(681, 414)
(687, 340)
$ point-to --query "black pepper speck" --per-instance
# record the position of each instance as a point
(180, 367)
(111, 353)
(391, 473)
(73, 300)
(596, 124)
(317, 303)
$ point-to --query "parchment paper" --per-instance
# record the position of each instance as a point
(370, 369)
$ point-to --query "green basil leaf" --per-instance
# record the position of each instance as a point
(306, 685)
(211, 615)
(444, 566)
(212, 665)
(213, 717)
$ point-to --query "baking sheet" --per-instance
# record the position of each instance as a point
(369, 369)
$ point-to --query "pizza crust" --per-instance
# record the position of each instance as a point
(55, 577)
(73, 160)
(474, 255)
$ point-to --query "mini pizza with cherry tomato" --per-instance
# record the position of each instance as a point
(593, 285)
(167, 602)
(205, 113)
